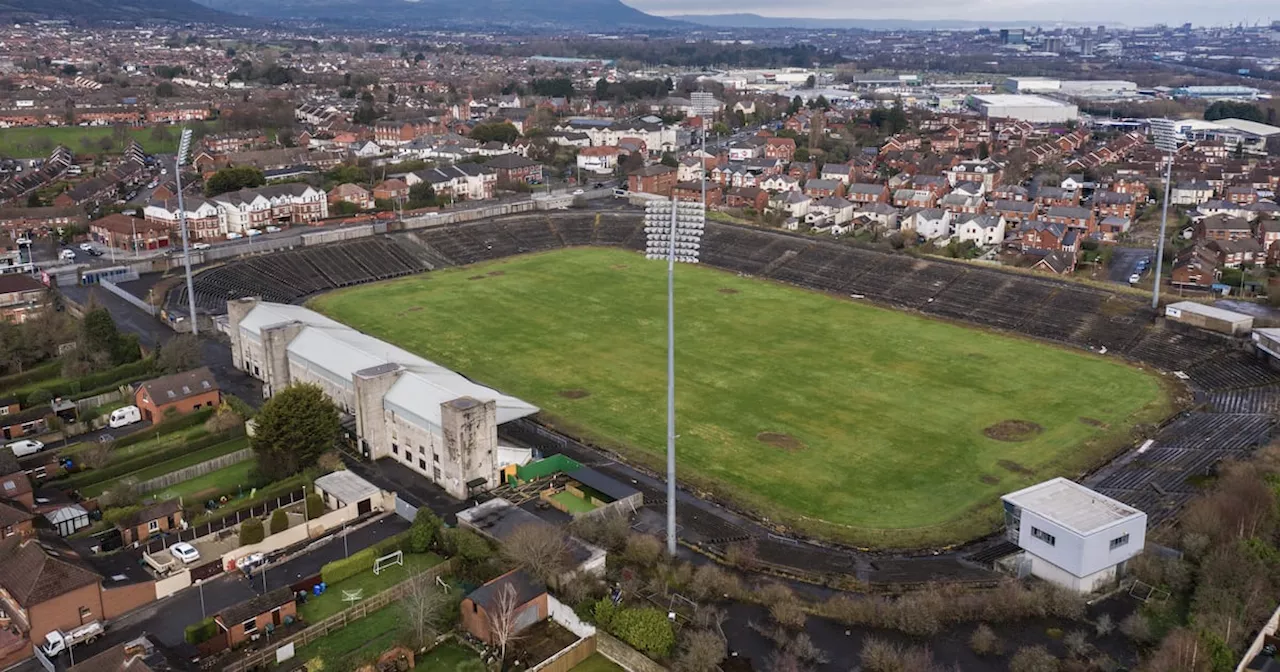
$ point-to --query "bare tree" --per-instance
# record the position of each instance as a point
(701, 651)
(424, 604)
(98, 454)
(542, 549)
(503, 619)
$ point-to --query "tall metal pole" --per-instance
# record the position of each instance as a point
(182, 218)
(1164, 218)
(671, 382)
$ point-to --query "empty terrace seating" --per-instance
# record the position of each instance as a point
(455, 244)
(1228, 371)
(963, 298)
(617, 231)
(1175, 351)
(880, 279)
(1262, 400)
(1063, 314)
(576, 230)
(808, 268)
(926, 282)
(494, 240)
(533, 233)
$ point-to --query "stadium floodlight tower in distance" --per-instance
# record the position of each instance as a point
(673, 231)
(1166, 140)
(704, 105)
(184, 148)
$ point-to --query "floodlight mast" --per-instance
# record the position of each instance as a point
(181, 160)
(1166, 140)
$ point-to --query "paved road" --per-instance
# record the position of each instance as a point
(167, 619)
(1124, 262)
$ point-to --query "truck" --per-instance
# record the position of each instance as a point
(58, 641)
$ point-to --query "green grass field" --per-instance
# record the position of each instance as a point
(38, 141)
(843, 419)
(202, 487)
(188, 460)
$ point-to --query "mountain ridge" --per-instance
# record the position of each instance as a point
(185, 11)
(749, 20)
(596, 14)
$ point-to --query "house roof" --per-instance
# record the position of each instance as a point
(179, 386)
(34, 571)
(510, 162)
(1057, 261)
(654, 170)
(119, 658)
(18, 282)
(1069, 211)
(1227, 223)
(346, 486)
(149, 513)
(1072, 506)
(13, 515)
(254, 606)
(526, 586)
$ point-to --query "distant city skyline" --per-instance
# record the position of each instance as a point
(1126, 12)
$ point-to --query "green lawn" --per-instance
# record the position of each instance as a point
(360, 642)
(36, 142)
(190, 459)
(841, 418)
(222, 480)
(572, 502)
(155, 443)
(451, 657)
(597, 663)
(318, 608)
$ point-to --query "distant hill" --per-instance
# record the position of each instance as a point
(757, 21)
(414, 14)
(184, 11)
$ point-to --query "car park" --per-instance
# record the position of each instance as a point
(26, 447)
(184, 552)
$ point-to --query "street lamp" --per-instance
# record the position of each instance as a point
(1165, 136)
(184, 147)
(673, 231)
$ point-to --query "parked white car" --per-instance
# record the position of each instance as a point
(232, 235)
(200, 246)
(67, 254)
(184, 552)
(86, 246)
(254, 232)
(123, 417)
(273, 229)
(26, 447)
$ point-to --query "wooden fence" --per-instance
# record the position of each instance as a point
(196, 470)
(337, 621)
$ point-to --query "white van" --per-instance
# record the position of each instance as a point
(125, 416)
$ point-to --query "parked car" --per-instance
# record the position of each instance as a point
(86, 246)
(1133, 279)
(273, 229)
(254, 232)
(26, 447)
(93, 253)
(200, 246)
(67, 254)
(232, 235)
(184, 552)
(578, 192)
(123, 417)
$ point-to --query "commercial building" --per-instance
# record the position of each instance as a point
(1216, 92)
(430, 419)
(1032, 109)
(1107, 89)
(1073, 536)
(1209, 317)
(1031, 85)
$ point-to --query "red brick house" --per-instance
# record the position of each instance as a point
(802, 170)
(1040, 236)
(780, 148)
(250, 619)
(156, 518)
(1196, 266)
(516, 593)
(1049, 197)
(391, 190)
(1242, 195)
(1014, 211)
(655, 179)
(1080, 218)
(866, 193)
(181, 392)
(1223, 227)
(514, 169)
(15, 520)
(129, 233)
(1235, 253)
(819, 189)
(1114, 204)
(748, 197)
(692, 191)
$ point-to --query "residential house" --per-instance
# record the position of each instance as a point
(1014, 212)
(915, 198)
(1215, 208)
(1191, 193)
(22, 297)
(253, 618)
(780, 183)
(391, 190)
(1242, 195)
(1049, 197)
(880, 215)
(747, 197)
(1057, 262)
(129, 233)
(794, 203)
(1110, 228)
(459, 182)
(654, 179)
(352, 193)
(515, 169)
(1235, 253)
(15, 220)
(178, 393)
(15, 520)
(603, 160)
(26, 422)
(832, 210)
(928, 223)
(747, 148)
(1075, 182)
(867, 193)
(1113, 204)
(1038, 237)
(983, 230)
(780, 148)
(1070, 216)
(841, 172)
(1010, 192)
(1223, 227)
(692, 191)
(1268, 232)
(1196, 267)
(822, 188)
(986, 171)
(802, 170)
(962, 204)
(152, 519)
(516, 595)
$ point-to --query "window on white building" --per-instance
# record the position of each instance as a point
(1119, 541)
(1044, 536)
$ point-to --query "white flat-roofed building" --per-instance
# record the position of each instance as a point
(1209, 317)
(1073, 536)
(1031, 85)
(431, 419)
(1032, 109)
(1268, 341)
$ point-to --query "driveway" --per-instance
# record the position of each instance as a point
(1124, 262)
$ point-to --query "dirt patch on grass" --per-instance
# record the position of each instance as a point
(476, 277)
(1010, 465)
(727, 290)
(620, 267)
(990, 480)
(574, 394)
(494, 274)
(1013, 430)
(1094, 422)
(779, 440)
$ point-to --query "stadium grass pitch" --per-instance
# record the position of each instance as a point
(857, 423)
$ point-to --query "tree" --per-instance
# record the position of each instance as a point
(251, 532)
(669, 159)
(503, 612)
(810, 82)
(422, 195)
(180, 353)
(502, 131)
(424, 606)
(701, 651)
(165, 90)
(102, 344)
(1227, 109)
(234, 178)
(796, 104)
(279, 521)
(422, 533)
(802, 154)
(293, 429)
(542, 549)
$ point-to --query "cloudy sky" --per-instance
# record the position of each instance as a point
(1131, 12)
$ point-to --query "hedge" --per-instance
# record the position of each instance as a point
(193, 456)
(140, 462)
(202, 631)
(192, 419)
(279, 521)
(17, 381)
(94, 383)
(646, 629)
(341, 570)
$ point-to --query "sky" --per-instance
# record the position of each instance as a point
(1129, 12)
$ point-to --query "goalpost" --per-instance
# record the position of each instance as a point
(388, 560)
